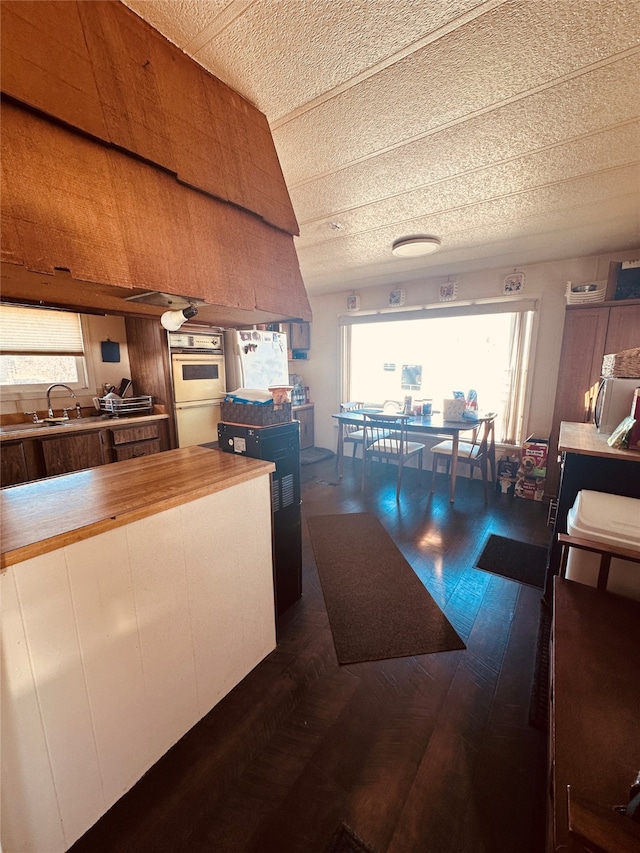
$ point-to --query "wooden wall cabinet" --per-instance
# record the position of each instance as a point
(304, 414)
(298, 335)
(590, 332)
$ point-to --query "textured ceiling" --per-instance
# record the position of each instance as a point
(511, 130)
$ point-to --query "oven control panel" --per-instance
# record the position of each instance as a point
(199, 341)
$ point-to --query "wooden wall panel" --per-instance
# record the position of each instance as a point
(154, 218)
(161, 223)
(109, 218)
(157, 104)
(131, 65)
(10, 246)
(197, 122)
(57, 194)
(278, 280)
(101, 69)
(45, 63)
(269, 190)
(220, 233)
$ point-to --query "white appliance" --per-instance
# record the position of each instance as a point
(613, 403)
(255, 359)
(607, 519)
(198, 375)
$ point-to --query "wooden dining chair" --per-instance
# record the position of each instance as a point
(385, 438)
(351, 433)
(475, 453)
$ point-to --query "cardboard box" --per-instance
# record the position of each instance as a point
(530, 488)
(535, 452)
(532, 472)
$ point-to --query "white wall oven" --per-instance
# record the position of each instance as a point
(197, 368)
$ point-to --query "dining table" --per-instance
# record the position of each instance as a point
(433, 424)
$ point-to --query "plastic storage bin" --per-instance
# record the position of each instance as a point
(609, 520)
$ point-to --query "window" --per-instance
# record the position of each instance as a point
(39, 347)
(431, 354)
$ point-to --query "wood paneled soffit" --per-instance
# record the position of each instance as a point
(99, 68)
(112, 219)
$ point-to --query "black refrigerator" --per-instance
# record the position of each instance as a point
(279, 444)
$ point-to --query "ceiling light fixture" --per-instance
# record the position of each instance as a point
(415, 246)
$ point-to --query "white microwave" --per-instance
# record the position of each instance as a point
(613, 403)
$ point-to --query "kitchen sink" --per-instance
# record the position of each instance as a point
(25, 427)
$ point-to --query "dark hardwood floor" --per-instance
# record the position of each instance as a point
(427, 754)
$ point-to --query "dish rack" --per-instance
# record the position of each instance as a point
(593, 291)
(130, 406)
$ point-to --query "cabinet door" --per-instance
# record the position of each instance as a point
(623, 331)
(305, 417)
(583, 342)
(300, 336)
(66, 453)
(13, 464)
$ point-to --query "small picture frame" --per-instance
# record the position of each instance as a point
(448, 291)
(353, 302)
(513, 283)
(396, 298)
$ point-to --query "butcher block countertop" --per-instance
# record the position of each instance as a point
(585, 439)
(44, 515)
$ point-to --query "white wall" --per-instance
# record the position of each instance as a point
(546, 281)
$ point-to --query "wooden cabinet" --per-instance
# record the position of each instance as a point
(304, 414)
(593, 714)
(66, 453)
(13, 464)
(590, 332)
(46, 456)
(135, 441)
(298, 335)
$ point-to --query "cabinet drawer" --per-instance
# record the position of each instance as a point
(142, 432)
(140, 448)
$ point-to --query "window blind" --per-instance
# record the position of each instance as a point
(34, 331)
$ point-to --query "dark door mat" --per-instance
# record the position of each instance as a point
(314, 454)
(345, 840)
(518, 561)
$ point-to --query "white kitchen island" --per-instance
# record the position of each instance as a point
(134, 597)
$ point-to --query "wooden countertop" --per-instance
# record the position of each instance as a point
(585, 439)
(18, 432)
(48, 514)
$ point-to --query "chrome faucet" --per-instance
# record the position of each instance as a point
(57, 385)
